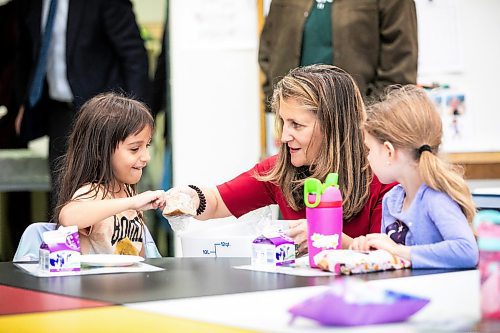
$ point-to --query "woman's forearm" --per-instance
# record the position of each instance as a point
(215, 206)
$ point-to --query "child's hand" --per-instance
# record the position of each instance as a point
(373, 242)
(359, 244)
(149, 200)
(382, 242)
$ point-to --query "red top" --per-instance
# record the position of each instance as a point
(244, 194)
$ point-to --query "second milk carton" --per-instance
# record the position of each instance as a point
(274, 249)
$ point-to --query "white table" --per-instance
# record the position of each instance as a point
(454, 306)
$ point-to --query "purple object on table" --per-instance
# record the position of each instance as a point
(330, 309)
(273, 249)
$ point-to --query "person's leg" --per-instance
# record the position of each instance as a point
(17, 204)
(60, 122)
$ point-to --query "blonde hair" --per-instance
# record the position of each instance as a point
(408, 119)
(332, 95)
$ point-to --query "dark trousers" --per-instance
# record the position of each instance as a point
(54, 119)
(60, 116)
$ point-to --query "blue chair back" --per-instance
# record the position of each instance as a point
(150, 248)
(29, 245)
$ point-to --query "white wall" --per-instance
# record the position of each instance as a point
(215, 89)
(478, 74)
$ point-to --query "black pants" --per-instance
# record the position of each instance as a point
(54, 119)
(60, 117)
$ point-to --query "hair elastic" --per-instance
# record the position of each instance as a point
(424, 148)
(203, 200)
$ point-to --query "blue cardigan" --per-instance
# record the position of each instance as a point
(439, 235)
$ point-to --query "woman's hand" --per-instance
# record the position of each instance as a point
(298, 232)
(148, 200)
(180, 205)
(180, 201)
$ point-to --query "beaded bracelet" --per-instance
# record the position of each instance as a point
(203, 200)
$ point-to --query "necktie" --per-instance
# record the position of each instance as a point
(38, 78)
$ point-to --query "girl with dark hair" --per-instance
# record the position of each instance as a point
(107, 151)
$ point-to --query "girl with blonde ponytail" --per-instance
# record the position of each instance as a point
(427, 217)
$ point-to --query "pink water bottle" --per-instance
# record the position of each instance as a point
(324, 215)
(487, 224)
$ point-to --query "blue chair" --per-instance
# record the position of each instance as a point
(29, 245)
(150, 248)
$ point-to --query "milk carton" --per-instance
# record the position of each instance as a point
(275, 249)
(43, 258)
(60, 250)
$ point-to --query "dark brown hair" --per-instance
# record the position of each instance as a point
(101, 124)
(332, 95)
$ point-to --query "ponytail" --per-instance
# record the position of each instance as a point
(447, 178)
(408, 119)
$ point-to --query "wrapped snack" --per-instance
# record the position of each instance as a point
(354, 262)
(354, 303)
(178, 204)
(125, 246)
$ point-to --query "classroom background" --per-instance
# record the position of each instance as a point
(214, 109)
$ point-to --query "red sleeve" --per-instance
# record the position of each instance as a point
(245, 193)
(377, 192)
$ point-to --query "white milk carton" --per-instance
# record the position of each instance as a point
(274, 249)
(60, 250)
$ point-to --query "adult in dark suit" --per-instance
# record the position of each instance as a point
(95, 47)
(8, 40)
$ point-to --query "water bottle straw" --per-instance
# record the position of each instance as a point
(331, 180)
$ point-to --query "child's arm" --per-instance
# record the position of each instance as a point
(88, 211)
(449, 243)
(452, 243)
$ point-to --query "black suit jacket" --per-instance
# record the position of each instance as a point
(104, 50)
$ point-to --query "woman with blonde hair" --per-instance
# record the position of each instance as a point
(319, 112)
(427, 217)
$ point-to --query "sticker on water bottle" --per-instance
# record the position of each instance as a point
(326, 242)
